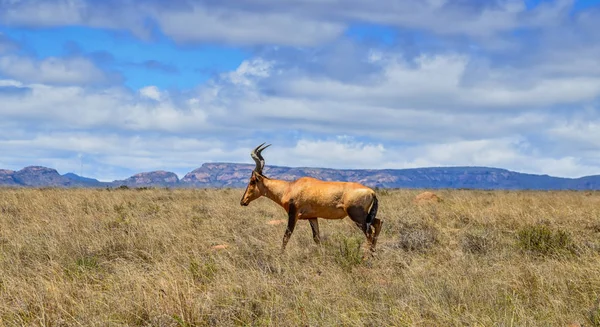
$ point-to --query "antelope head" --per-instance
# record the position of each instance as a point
(255, 188)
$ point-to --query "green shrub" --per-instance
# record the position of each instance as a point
(541, 240)
(350, 253)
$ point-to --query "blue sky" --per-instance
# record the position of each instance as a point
(111, 88)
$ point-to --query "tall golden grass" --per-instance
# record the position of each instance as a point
(146, 258)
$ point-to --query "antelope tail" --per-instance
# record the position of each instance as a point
(372, 213)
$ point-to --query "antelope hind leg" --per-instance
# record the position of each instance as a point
(359, 217)
(314, 225)
(377, 228)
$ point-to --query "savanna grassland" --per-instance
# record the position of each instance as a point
(98, 257)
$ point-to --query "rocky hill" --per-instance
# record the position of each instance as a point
(6, 177)
(154, 178)
(236, 175)
(84, 180)
(37, 176)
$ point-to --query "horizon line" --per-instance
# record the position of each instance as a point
(303, 167)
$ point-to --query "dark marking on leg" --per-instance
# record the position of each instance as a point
(372, 213)
(314, 225)
(359, 217)
(292, 217)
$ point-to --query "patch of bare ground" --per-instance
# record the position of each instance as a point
(158, 257)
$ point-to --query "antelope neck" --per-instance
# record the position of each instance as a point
(275, 189)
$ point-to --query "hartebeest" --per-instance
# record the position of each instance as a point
(308, 198)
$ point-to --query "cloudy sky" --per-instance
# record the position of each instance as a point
(109, 88)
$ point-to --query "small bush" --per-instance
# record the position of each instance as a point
(476, 244)
(350, 253)
(540, 239)
(417, 237)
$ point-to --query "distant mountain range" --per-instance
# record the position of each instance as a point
(214, 175)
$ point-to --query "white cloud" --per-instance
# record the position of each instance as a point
(580, 134)
(186, 23)
(298, 22)
(437, 81)
(52, 70)
(78, 107)
(513, 153)
(238, 27)
(152, 92)
(340, 153)
(42, 13)
(52, 13)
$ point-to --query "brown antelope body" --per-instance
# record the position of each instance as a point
(309, 198)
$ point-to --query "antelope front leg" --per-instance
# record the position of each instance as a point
(292, 218)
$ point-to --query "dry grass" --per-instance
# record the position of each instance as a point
(147, 258)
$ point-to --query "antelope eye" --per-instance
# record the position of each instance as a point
(252, 182)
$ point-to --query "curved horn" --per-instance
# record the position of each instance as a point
(258, 159)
